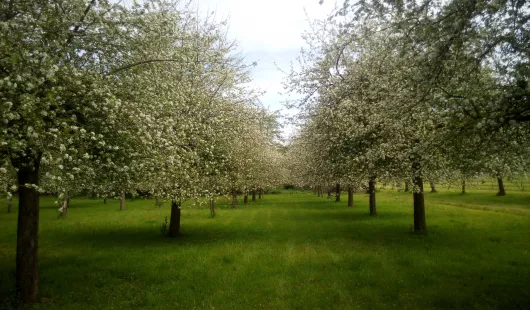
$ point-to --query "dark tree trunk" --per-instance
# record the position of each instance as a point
(27, 233)
(501, 192)
(406, 186)
(174, 221)
(318, 191)
(9, 205)
(245, 198)
(463, 186)
(105, 200)
(253, 195)
(260, 193)
(350, 196)
(234, 199)
(371, 190)
(337, 192)
(122, 201)
(420, 225)
(158, 203)
(433, 187)
(329, 193)
(212, 207)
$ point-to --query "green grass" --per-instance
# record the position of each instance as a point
(288, 251)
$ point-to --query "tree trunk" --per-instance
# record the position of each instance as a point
(463, 186)
(262, 192)
(105, 200)
(234, 199)
(64, 207)
(122, 201)
(433, 187)
(27, 233)
(371, 189)
(9, 204)
(254, 195)
(501, 192)
(158, 203)
(420, 225)
(406, 186)
(318, 191)
(174, 221)
(259, 193)
(212, 207)
(337, 192)
(350, 196)
(245, 198)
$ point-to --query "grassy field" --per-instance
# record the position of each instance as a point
(287, 251)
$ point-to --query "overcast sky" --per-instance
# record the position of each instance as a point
(269, 32)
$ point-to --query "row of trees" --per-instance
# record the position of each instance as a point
(413, 91)
(103, 98)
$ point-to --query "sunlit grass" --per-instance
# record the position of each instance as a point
(288, 251)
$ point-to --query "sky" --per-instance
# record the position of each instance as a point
(269, 32)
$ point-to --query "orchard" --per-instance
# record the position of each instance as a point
(120, 107)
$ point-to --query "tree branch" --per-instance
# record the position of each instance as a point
(76, 28)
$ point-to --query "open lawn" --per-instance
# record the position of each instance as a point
(287, 251)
